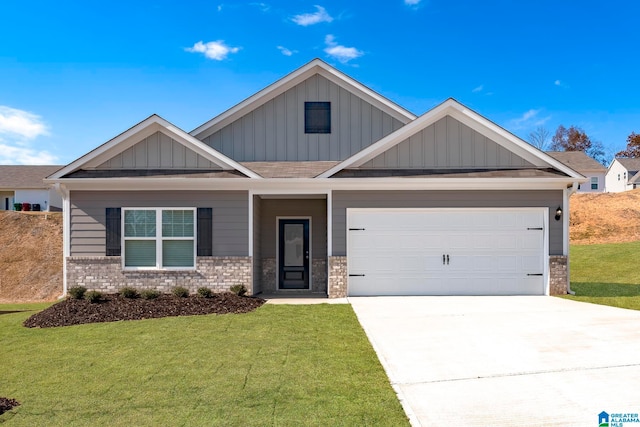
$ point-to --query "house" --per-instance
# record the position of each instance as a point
(317, 184)
(622, 175)
(585, 165)
(24, 184)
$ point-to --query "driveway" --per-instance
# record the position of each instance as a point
(505, 361)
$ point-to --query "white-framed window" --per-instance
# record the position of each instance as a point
(159, 238)
(594, 182)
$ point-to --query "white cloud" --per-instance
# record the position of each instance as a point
(220, 7)
(478, 89)
(285, 51)
(216, 50)
(262, 6)
(412, 2)
(317, 17)
(21, 123)
(18, 128)
(341, 53)
(557, 83)
(528, 119)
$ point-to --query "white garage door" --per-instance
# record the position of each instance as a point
(446, 251)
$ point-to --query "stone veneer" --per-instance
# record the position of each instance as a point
(557, 275)
(337, 277)
(105, 274)
(318, 276)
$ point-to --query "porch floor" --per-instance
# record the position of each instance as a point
(300, 298)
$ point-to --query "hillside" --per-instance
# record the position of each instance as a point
(30, 256)
(31, 244)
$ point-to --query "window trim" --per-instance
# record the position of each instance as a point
(158, 238)
(594, 183)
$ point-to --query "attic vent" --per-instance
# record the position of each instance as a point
(317, 117)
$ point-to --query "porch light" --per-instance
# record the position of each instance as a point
(558, 213)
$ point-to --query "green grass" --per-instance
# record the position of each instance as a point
(606, 274)
(282, 365)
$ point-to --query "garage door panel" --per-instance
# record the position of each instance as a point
(490, 252)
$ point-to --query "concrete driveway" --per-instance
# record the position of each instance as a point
(506, 361)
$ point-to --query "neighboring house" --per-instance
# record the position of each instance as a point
(622, 175)
(24, 184)
(587, 166)
(317, 184)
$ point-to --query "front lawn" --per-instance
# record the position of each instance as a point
(606, 274)
(282, 365)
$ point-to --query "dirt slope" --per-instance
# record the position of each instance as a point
(605, 218)
(30, 256)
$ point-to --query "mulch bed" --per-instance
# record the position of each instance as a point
(113, 308)
(7, 404)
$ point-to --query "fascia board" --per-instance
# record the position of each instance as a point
(279, 87)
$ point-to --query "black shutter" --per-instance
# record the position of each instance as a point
(113, 227)
(205, 232)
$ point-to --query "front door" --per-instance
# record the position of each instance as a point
(293, 253)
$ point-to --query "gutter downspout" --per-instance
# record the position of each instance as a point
(66, 224)
(567, 194)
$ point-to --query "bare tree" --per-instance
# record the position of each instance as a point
(539, 138)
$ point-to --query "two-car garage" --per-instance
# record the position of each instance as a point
(432, 251)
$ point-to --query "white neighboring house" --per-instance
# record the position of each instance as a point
(587, 166)
(23, 184)
(623, 175)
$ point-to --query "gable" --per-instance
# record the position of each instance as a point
(275, 131)
(158, 151)
(447, 144)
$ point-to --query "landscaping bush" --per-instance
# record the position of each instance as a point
(129, 292)
(93, 296)
(150, 294)
(239, 290)
(180, 292)
(77, 292)
(205, 292)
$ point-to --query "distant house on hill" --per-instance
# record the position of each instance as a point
(23, 184)
(623, 175)
(587, 166)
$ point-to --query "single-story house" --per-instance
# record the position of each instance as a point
(622, 175)
(24, 184)
(318, 184)
(587, 166)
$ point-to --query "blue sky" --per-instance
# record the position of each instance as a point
(74, 74)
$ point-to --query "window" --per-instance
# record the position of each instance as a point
(618, 177)
(594, 182)
(159, 238)
(625, 176)
(317, 117)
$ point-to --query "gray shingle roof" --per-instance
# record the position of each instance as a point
(289, 169)
(578, 161)
(632, 165)
(16, 177)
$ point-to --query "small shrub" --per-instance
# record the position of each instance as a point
(180, 292)
(205, 292)
(93, 296)
(77, 292)
(129, 292)
(239, 290)
(150, 294)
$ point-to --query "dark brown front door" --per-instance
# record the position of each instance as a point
(293, 253)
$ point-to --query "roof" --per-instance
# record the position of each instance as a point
(289, 169)
(577, 160)
(16, 177)
(630, 164)
(449, 173)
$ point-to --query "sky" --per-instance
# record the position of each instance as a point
(75, 74)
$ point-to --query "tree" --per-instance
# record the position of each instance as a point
(539, 138)
(633, 147)
(575, 139)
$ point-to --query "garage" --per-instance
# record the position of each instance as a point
(456, 251)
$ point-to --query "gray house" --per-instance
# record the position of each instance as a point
(317, 184)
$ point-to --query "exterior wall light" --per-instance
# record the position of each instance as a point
(558, 213)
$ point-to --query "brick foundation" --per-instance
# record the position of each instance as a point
(105, 274)
(318, 275)
(557, 275)
(337, 277)
(268, 275)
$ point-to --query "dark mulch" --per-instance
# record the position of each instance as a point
(113, 308)
(7, 404)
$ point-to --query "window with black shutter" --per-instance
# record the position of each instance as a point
(205, 232)
(317, 117)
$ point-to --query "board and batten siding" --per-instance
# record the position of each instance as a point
(446, 144)
(158, 151)
(342, 200)
(230, 216)
(275, 130)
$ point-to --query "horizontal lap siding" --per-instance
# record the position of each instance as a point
(230, 216)
(342, 200)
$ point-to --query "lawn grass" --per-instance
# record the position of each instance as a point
(283, 365)
(606, 274)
